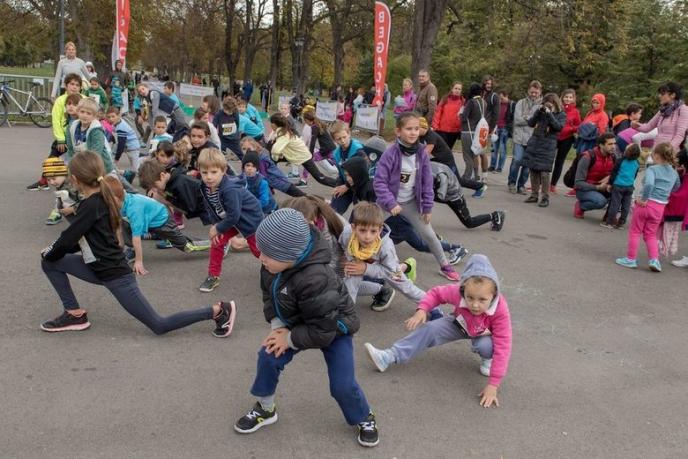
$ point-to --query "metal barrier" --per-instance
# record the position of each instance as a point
(23, 83)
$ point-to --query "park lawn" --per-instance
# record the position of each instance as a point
(41, 71)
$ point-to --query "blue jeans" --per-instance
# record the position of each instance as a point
(591, 200)
(124, 289)
(499, 149)
(517, 166)
(339, 357)
(341, 203)
(402, 231)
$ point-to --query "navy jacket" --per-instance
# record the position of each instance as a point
(241, 209)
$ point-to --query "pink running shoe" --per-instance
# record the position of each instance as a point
(449, 272)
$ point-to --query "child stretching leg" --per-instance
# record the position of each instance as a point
(481, 314)
(307, 307)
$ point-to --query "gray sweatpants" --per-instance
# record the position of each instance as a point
(436, 333)
(357, 286)
(409, 210)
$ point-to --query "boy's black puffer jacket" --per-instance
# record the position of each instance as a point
(310, 299)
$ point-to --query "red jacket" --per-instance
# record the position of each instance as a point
(446, 117)
(598, 117)
(573, 120)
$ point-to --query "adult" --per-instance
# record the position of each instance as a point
(162, 105)
(69, 64)
(597, 115)
(118, 83)
(407, 101)
(505, 126)
(427, 96)
(473, 111)
(592, 175)
(447, 122)
(566, 135)
(525, 108)
(215, 83)
(248, 90)
(336, 91)
(671, 120)
(492, 102)
(541, 150)
(196, 80)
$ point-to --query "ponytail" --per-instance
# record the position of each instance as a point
(113, 194)
(314, 207)
(281, 122)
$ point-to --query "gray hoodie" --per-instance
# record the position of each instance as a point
(525, 108)
(479, 266)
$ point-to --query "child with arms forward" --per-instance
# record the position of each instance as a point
(66, 198)
(481, 314)
(307, 307)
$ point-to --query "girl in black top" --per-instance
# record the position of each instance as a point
(93, 231)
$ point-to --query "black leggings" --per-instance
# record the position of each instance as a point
(461, 210)
(319, 177)
(466, 183)
(450, 137)
(563, 147)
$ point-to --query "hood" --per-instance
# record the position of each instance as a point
(348, 231)
(236, 182)
(374, 147)
(319, 250)
(619, 118)
(479, 265)
(357, 167)
(601, 99)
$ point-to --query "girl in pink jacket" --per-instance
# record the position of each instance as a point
(481, 314)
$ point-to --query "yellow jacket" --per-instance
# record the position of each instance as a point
(291, 148)
(60, 118)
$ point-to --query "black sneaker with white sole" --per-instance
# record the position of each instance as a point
(367, 432)
(38, 186)
(383, 299)
(457, 254)
(66, 322)
(256, 418)
(209, 284)
(498, 220)
(225, 320)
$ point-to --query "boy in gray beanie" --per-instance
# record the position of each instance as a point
(307, 307)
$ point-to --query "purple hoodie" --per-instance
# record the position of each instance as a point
(388, 179)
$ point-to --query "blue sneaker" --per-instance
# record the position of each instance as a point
(627, 262)
(479, 192)
(655, 266)
(163, 245)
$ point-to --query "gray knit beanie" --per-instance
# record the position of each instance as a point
(283, 235)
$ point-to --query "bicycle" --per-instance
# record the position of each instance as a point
(38, 109)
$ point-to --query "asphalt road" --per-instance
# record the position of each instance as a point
(599, 367)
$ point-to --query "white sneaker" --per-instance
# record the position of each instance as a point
(381, 358)
(485, 365)
(682, 263)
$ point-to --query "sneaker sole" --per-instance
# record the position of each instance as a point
(367, 444)
(230, 323)
(78, 327)
(370, 349)
(266, 422)
(655, 269)
(208, 289)
(385, 306)
(628, 266)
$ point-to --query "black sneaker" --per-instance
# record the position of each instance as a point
(209, 284)
(225, 320)
(66, 322)
(498, 220)
(367, 432)
(38, 186)
(256, 418)
(383, 299)
(456, 255)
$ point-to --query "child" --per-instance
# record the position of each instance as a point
(481, 314)
(622, 179)
(168, 89)
(102, 262)
(126, 140)
(347, 148)
(227, 123)
(159, 134)
(145, 215)
(268, 169)
(322, 138)
(199, 137)
(403, 185)
(660, 180)
(87, 134)
(165, 155)
(257, 184)
(448, 191)
(163, 105)
(251, 122)
(288, 146)
(66, 198)
(307, 307)
(210, 104)
(231, 209)
(201, 114)
(97, 93)
(676, 214)
(370, 252)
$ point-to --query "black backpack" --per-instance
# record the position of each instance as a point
(570, 175)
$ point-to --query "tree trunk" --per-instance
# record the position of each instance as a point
(275, 49)
(426, 23)
(338, 20)
(299, 65)
(230, 58)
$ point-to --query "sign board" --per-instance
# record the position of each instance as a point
(326, 111)
(367, 118)
(194, 91)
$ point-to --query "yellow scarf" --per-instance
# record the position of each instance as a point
(363, 253)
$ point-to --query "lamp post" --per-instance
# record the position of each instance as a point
(62, 14)
(299, 42)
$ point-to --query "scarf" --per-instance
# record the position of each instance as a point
(363, 253)
(407, 149)
(668, 110)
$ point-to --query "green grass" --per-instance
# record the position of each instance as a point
(41, 72)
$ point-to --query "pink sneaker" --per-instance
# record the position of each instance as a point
(448, 272)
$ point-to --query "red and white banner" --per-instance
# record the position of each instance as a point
(119, 43)
(383, 25)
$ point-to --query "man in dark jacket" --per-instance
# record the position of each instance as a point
(307, 307)
(592, 175)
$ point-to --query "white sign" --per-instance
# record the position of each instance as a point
(367, 118)
(194, 91)
(326, 111)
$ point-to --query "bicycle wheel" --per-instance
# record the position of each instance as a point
(41, 112)
(3, 110)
